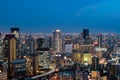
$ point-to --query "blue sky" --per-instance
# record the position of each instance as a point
(67, 15)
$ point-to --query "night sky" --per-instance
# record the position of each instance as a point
(67, 15)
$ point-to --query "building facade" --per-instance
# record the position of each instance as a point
(57, 36)
(10, 52)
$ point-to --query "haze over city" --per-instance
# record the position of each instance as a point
(67, 15)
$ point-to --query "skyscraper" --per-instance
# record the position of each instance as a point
(100, 40)
(15, 31)
(95, 68)
(10, 47)
(57, 36)
(41, 43)
(50, 42)
(95, 63)
(29, 45)
(85, 35)
(68, 46)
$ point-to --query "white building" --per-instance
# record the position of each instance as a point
(68, 48)
(57, 36)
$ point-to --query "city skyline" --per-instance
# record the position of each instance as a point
(66, 15)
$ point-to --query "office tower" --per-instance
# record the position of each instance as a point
(57, 36)
(100, 40)
(68, 40)
(114, 71)
(85, 35)
(19, 68)
(43, 55)
(41, 43)
(29, 45)
(50, 42)
(68, 45)
(10, 48)
(0, 35)
(95, 63)
(16, 32)
(95, 68)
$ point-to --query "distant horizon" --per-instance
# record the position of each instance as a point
(68, 15)
(91, 32)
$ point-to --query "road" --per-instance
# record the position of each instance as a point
(42, 75)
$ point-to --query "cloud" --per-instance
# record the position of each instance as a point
(86, 8)
(103, 9)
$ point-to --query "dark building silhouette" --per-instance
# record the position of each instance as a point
(0, 35)
(100, 40)
(95, 63)
(50, 42)
(15, 31)
(114, 71)
(41, 43)
(85, 35)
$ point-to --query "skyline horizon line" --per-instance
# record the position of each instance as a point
(22, 32)
(49, 30)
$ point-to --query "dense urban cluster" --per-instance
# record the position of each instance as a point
(59, 56)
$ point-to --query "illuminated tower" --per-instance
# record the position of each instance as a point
(10, 47)
(57, 36)
(85, 35)
(16, 32)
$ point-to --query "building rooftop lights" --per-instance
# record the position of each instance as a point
(57, 30)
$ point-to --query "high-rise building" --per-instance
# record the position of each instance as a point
(68, 45)
(95, 68)
(19, 68)
(41, 43)
(85, 35)
(43, 55)
(57, 36)
(95, 63)
(16, 32)
(0, 35)
(29, 45)
(100, 40)
(10, 48)
(114, 72)
(50, 42)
